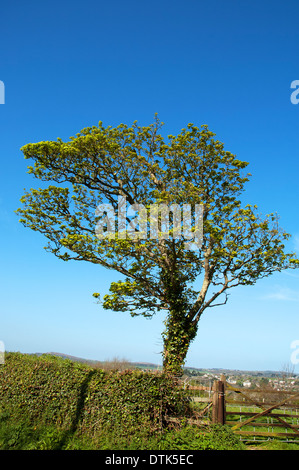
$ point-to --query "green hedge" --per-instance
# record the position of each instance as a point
(76, 397)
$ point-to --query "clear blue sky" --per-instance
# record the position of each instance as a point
(68, 64)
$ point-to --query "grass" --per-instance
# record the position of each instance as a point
(22, 435)
(267, 424)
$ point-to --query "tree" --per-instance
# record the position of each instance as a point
(99, 165)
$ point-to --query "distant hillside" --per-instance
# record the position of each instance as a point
(149, 365)
(143, 365)
(72, 358)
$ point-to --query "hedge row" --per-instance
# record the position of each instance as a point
(74, 396)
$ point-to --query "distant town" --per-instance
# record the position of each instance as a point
(286, 379)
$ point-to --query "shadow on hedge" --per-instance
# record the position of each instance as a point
(78, 413)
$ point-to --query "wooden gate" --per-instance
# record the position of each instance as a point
(250, 413)
(258, 406)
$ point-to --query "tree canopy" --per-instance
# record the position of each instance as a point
(101, 164)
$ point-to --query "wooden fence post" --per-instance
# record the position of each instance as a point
(218, 411)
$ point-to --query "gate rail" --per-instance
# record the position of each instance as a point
(263, 409)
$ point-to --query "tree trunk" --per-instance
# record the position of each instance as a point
(178, 334)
